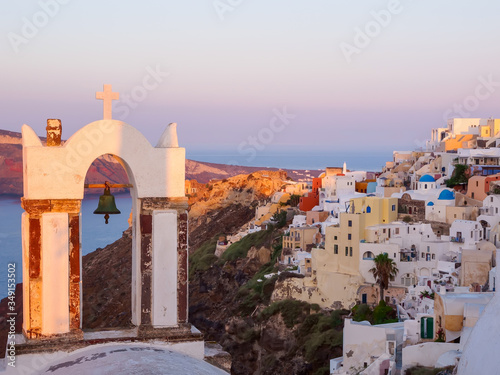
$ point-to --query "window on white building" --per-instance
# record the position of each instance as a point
(368, 255)
(408, 279)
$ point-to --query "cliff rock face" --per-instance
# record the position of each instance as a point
(11, 168)
(224, 206)
(11, 137)
(107, 281)
(257, 347)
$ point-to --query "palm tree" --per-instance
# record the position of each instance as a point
(384, 270)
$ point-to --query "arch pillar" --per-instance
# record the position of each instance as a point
(51, 267)
(163, 261)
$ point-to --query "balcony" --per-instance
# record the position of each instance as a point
(408, 255)
(484, 210)
(457, 239)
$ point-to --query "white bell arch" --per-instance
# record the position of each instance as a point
(53, 189)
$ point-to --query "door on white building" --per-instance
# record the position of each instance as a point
(427, 328)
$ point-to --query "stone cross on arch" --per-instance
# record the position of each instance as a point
(107, 95)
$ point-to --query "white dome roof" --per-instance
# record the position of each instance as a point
(128, 358)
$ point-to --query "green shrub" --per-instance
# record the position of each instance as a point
(268, 289)
(203, 258)
(279, 218)
(250, 335)
(329, 321)
(325, 370)
(249, 303)
(330, 338)
(309, 325)
(240, 249)
(459, 175)
(319, 336)
(336, 317)
(362, 312)
(294, 200)
(259, 292)
(383, 314)
(291, 311)
(269, 361)
(261, 289)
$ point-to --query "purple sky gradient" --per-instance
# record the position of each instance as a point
(226, 76)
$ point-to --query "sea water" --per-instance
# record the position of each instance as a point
(295, 158)
(95, 233)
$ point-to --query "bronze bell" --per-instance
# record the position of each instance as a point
(107, 204)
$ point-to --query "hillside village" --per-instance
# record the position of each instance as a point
(433, 212)
(337, 271)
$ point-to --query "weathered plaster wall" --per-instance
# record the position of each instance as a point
(50, 231)
(55, 285)
(336, 291)
(362, 343)
(301, 290)
(426, 354)
(164, 303)
(476, 266)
